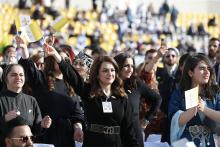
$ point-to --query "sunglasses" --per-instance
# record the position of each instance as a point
(24, 139)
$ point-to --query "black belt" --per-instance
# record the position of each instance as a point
(104, 129)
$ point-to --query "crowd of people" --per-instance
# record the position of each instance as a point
(61, 94)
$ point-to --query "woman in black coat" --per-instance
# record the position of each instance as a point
(54, 99)
(106, 108)
(136, 89)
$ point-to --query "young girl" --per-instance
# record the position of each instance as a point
(195, 123)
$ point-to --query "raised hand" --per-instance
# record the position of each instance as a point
(163, 48)
(20, 42)
(50, 40)
(51, 51)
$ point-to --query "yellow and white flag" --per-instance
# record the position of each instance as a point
(32, 32)
(59, 23)
(22, 20)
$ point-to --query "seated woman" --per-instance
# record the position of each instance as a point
(196, 123)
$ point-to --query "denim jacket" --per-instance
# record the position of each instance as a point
(200, 128)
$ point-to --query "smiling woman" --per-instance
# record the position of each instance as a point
(136, 89)
(197, 123)
(105, 104)
(106, 74)
(106, 108)
(14, 103)
(14, 78)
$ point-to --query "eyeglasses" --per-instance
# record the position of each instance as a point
(24, 139)
(167, 56)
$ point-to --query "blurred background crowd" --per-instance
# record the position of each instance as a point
(120, 26)
(109, 27)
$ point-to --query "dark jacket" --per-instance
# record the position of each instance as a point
(26, 105)
(134, 97)
(197, 128)
(63, 110)
(121, 115)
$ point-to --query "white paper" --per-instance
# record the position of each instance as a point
(156, 144)
(183, 143)
(42, 145)
(154, 138)
(78, 144)
(191, 97)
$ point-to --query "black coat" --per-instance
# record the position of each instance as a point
(94, 114)
(25, 104)
(167, 83)
(134, 97)
(63, 110)
(166, 86)
(216, 69)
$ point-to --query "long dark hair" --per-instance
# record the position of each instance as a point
(131, 83)
(207, 90)
(50, 77)
(117, 85)
(182, 60)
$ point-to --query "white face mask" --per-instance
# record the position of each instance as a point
(10, 57)
(11, 60)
